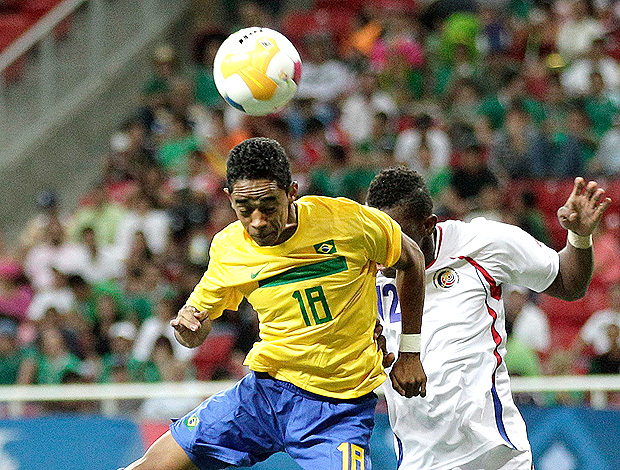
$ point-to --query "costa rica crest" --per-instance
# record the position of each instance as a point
(445, 278)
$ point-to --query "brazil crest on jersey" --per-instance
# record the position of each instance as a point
(314, 294)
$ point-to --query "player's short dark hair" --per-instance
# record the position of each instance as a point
(258, 158)
(400, 187)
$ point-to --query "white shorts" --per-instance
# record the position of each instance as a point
(500, 458)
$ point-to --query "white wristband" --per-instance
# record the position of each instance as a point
(410, 343)
(579, 241)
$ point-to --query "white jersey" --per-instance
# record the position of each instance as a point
(468, 408)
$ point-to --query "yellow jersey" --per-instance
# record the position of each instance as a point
(314, 293)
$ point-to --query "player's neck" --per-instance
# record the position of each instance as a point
(291, 224)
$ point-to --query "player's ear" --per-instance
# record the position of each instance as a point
(293, 190)
(429, 224)
(227, 191)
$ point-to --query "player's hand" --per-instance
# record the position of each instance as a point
(191, 326)
(582, 211)
(388, 357)
(407, 375)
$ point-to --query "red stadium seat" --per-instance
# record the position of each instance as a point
(576, 312)
(563, 336)
(567, 318)
(352, 4)
(552, 194)
(214, 354)
(336, 21)
(404, 5)
(12, 26)
(38, 7)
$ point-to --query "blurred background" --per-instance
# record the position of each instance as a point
(113, 142)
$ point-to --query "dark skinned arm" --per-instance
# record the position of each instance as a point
(407, 375)
(581, 214)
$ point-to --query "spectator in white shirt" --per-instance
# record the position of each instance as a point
(527, 322)
(576, 80)
(58, 297)
(54, 252)
(156, 326)
(104, 262)
(143, 217)
(48, 211)
(594, 331)
(359, 109)
(578, 32)
(424, 138)
(324, 78)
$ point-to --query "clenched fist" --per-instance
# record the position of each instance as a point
(191, 326)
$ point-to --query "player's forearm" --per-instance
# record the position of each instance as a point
(410, 285)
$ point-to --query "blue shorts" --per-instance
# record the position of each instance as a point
(260, 416)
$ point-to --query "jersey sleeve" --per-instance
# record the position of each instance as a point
(213, 293)
(518, 258)
(382, 236)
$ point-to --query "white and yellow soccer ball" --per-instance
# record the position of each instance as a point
(257, 70)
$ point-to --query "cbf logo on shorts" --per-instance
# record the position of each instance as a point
(445, 278)
(191, 422)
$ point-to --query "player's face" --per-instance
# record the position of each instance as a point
(420, 230)
(265, 210)
(413, 228)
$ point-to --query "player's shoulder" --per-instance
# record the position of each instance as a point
(327, 203)
(229, 235)
(337, 208)
(483, 223)
(480, 226)
(478, 234)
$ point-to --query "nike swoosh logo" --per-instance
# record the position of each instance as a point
(253, 275)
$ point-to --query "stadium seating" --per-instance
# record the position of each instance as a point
(214, 354)
(17, 18)
(335, 20)
(13, 25)
(567, 318)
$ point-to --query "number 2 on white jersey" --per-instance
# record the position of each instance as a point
(389, 290)
(357, 456)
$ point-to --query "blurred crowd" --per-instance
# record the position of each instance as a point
(484, 99)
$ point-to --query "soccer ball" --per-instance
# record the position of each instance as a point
(257, 70)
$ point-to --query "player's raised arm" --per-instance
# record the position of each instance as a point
(580, 215)
(407, 375)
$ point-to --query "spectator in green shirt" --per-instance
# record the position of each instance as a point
(99, 214)
(205, 48)
(600, 105)
(55, 359)
(11, 356)
(88, 298)
(174, 152)
(513, 93)
(164, 68)
(337, 178)
(120, 365)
